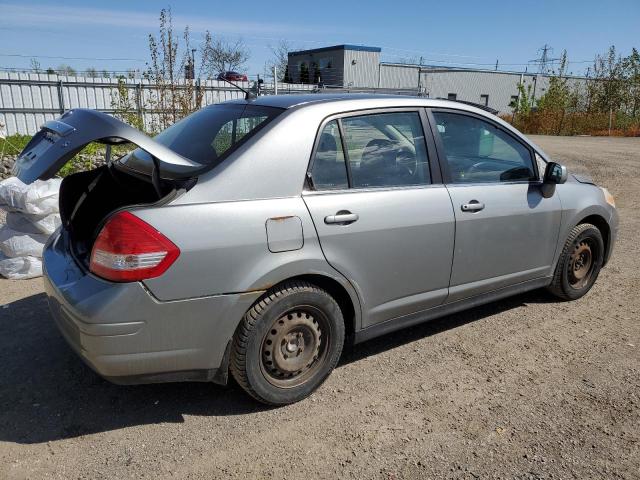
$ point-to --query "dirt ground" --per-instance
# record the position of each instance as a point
(523, 388)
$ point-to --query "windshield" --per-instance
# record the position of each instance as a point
(209, 135)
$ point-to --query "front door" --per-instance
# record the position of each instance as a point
(381, 221)
(506, 231)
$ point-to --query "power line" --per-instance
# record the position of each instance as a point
(71, 58)
(492, 64)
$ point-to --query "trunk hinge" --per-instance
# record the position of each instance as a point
(155, 176)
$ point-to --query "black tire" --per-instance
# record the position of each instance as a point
(579, 263)
(287, 343)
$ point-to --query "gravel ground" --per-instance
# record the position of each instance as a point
(522, 388)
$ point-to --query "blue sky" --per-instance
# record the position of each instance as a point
(113, 35)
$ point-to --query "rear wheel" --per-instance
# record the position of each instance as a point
(288, 343)
(579, 263)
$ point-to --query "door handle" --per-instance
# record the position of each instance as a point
(343, 217)
(472, 206)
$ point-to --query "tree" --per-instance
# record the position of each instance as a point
(219, 55)
(607, 89)
(124, 106)
(304, 73)
(50, 71)
(169, 53)
(558, 97)
(91, 72)
(105, 74)
(524, 103)
(280, 60)
(316, 73)
(64, 69)
(631, 69)
(287, 77)
(35, 66)
(410, 60)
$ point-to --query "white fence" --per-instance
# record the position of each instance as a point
(27, 100)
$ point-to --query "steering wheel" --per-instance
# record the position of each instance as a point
(476, 166)
(406, 160)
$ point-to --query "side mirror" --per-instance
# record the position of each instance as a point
(555, 173)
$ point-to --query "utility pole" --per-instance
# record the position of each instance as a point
(275, 79)
(496, 64)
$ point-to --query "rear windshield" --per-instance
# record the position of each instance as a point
(210, 134)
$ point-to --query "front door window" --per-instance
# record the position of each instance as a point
(477, 151)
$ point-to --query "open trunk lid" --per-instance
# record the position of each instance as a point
(59, 140)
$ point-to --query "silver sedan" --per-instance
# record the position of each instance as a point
(256, 236)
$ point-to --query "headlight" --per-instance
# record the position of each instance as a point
(608, 197)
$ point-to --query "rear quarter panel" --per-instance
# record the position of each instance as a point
(224, 248)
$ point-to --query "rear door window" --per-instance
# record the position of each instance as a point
(329, 171)
(386, 150)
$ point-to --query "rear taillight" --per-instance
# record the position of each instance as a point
(128, 249)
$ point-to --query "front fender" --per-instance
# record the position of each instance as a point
(580, 201)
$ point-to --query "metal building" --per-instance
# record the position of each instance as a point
(340, 66)
(493, 88)
(358, 67)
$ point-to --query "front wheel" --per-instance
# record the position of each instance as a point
(579, 263)
(287, 343)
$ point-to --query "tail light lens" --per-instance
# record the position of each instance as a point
(128, 249)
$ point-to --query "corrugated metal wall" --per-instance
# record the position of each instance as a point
(399, 76)
(28, 100)
(471, 85)
(362, 73)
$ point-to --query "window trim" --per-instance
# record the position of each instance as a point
(442, 158)
(345, 153)
(435, 172)
(316, 143)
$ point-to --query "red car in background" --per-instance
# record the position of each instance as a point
(232, 77)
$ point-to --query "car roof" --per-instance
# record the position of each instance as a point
(365, 100)
(294, 100)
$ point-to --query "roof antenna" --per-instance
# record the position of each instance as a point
(247, 94)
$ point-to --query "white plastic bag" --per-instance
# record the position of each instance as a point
(27, 223)
(20, 268)
(17, 244)
(38, 198)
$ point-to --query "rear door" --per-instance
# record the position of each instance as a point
(383, 217)
(506, 231)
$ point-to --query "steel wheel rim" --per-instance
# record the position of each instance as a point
(581, 264)
(295, 346)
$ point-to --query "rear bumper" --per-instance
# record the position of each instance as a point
(126, 335)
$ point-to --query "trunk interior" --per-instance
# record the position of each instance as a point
(88, 198)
